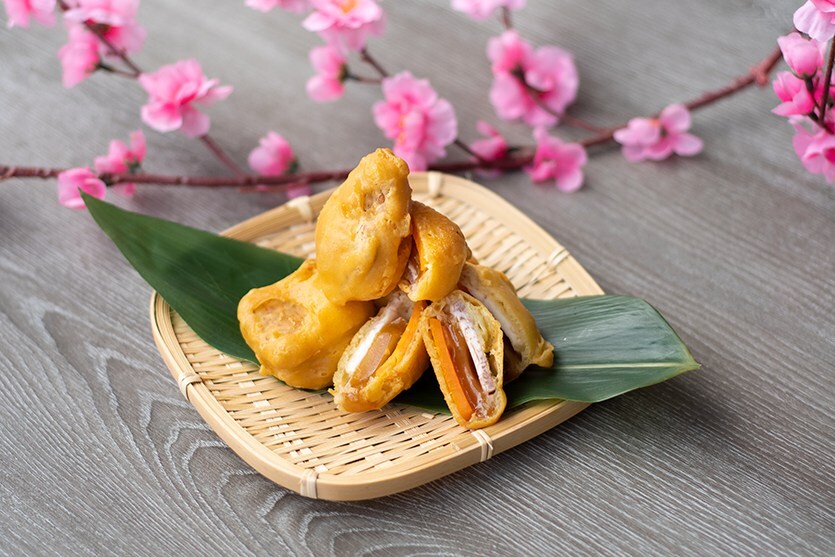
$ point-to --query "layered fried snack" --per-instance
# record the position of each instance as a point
(362, 234)
(298, 334)
(465, 346)
(438, 253)
(524, 344)
(385, 357)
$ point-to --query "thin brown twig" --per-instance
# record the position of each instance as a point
(114, 70)
(827, 83)
(221, 155)
(371, 61)
(467, 149)
(135, 72)
(757, 75)
(574, 121)
(281, 182)
(762, 70)
(120, 53)
(506, 19)
(363, 79)
(580, 123)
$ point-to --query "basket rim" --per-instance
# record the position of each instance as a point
(531, 419)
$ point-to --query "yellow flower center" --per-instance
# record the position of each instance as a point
(348, 5)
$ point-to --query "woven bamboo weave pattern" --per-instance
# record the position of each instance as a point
(300, 439)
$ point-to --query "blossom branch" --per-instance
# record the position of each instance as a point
(370, 60)
(221, 155)
(363, 79)
(97, 31)
(827, 81)
(280, 182)
(506, 18)
(111, 69)
(466, 148)
(134, 73)
(516, 161)
(758, 75)
(577, 122)
(120, 53)
(536, 94)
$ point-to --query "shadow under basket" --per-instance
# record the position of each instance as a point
(300, 439)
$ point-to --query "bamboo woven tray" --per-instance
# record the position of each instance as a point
(299, 439)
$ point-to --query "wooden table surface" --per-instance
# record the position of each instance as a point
(100, 454)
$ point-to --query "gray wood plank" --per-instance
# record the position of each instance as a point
(100, 455)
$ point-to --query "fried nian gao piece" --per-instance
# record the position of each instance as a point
(298, 334)
(465, 346)
(438, 254)
(362, 234)
(385, 357)
(524, 344)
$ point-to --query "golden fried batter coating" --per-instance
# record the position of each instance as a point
(362, 234)
(384, 358)
(465, 345)
(298, 334)
(496, 292)
(438, 254)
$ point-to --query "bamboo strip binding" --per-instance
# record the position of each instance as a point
(300, 439)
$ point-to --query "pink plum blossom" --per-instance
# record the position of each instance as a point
(298, 189)
(329, 64)
(75, 180)
(128, 38)
(173, 91)
(532, 85)
(816, 18)
(79, 57)
(795, 98)
(816, 151)
(273, 156)
(107, 12)
(345, 24)
(123, 159)
(804, 56)
(18, 12)
(493, 147)
(558, 161)
(295, 6)
(482, 9)
(508, 53)
(656, 139)
(420, 123)
(117, 19)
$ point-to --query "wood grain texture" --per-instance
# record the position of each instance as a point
(100, 455)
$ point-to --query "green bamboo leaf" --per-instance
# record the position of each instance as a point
(605, 345)
(201, 275)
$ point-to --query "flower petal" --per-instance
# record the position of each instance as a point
(675, 118)
(162, 117)
(687, 145)
(570, 181)
(195, 123)
(810, 20)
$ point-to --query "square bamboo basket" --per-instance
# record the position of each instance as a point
(299, 439)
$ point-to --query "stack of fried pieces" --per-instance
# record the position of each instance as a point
(393, 288)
